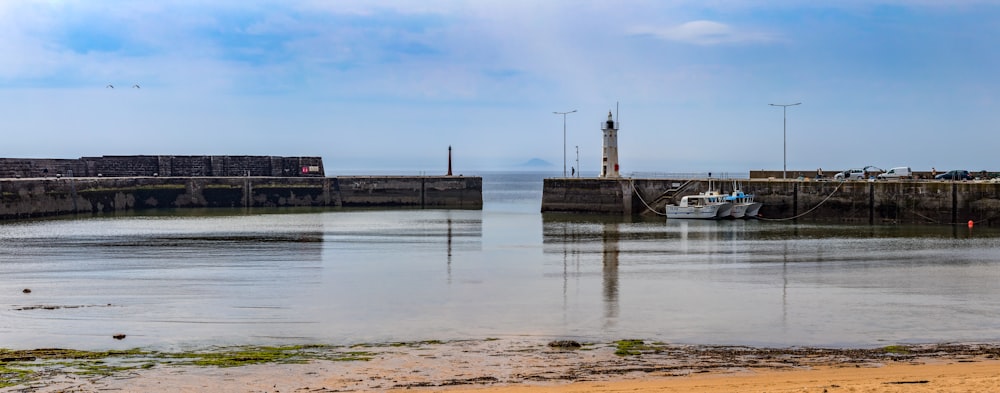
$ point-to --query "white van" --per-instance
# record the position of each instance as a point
(899, 172)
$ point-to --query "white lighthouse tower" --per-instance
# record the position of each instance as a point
(609, 166)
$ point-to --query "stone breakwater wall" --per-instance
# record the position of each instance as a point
(26, 198)
(892, 202)
(168, 166)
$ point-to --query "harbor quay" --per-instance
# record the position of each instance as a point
(859, 202)
(49, 187)
(39, 197)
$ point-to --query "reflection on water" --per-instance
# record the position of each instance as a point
(750, 282)
(610, 272)
(177, 279)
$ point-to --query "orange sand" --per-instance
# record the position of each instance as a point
(945, 377)
(979, 376)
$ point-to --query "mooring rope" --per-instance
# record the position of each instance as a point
(650, 208)
(807, 211)
(636, 192)
(926, 218)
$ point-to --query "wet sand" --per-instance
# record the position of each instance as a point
(516, 365)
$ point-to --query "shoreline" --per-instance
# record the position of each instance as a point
(500, 365)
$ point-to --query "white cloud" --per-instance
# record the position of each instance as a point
(705, 32)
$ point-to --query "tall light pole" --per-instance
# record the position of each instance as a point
(784, 136)
(564, 137)
(578, 161)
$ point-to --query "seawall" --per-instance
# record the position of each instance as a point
(26, 198)
(166, 166)
(885, 202)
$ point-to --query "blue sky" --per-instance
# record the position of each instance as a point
(389, 85)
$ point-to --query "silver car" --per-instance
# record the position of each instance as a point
(850, 174)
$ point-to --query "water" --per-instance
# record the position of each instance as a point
(189, 279)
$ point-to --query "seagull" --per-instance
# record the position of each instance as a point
(136, 85)
(110, 86)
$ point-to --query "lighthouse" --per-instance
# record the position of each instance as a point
(609, 166)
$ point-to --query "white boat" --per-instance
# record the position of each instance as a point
(726, 208)
(743, 204)
(753, 208)
(704, 206)
(739, 209)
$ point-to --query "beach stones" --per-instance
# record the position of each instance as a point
(565, 344)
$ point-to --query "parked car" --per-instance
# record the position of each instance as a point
(899, 172)
(850, 174)
(954, 175)
(873, 171)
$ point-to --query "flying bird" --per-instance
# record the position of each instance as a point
(136, 85)
(110, 86)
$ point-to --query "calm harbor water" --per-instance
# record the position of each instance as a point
(186, 279)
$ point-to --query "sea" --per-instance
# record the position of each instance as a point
(188, 279)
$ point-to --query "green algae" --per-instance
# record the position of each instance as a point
(22, 366)
(59, 353)
(636, 347)
(896, 349)
(10, 376)
(291, 354)
(19, 367)
(243, 356)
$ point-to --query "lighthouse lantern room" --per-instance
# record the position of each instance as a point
(609, 166)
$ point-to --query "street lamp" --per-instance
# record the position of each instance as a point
(578, 161)
(564, 137)
(784, 136)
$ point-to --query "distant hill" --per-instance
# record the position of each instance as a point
(536, 163)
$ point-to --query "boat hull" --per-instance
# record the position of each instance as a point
(739, 210)
(695, 212)
(725, 210)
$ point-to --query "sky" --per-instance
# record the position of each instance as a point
(388, 85)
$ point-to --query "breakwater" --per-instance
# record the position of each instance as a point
(181, 166)
(37, 197)
(892, 202)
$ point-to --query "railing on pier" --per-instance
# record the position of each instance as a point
(689, 175)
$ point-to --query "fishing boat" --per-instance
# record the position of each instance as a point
(753, 208)
(739, 206)
(710, 205)
(713, 196)
(743, 203)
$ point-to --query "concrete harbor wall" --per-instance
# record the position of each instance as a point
(25, 198)
(424, 191)
(578, 195)
(166, 166)
(884, 202)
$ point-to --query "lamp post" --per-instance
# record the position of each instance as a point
(578, 161)
(564, 137)
(784, 136)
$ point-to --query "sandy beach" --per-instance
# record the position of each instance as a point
(915, 378)
(520, 365)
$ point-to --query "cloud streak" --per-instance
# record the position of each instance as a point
(705, 32)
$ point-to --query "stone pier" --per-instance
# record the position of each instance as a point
(883, 202)
(37, 197)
